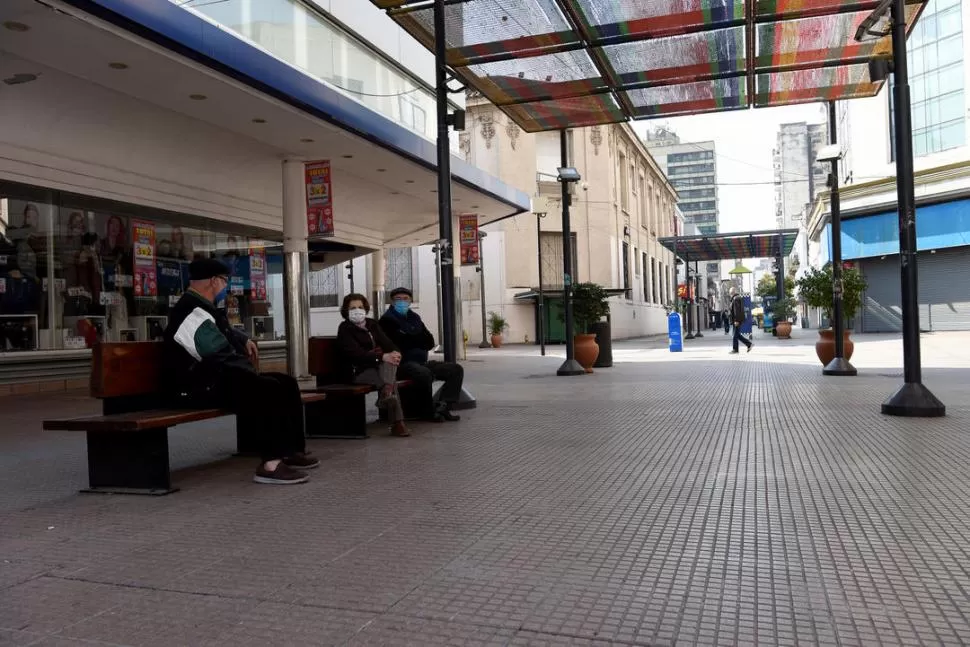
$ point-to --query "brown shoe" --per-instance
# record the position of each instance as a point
(400, 429)
(282, 475)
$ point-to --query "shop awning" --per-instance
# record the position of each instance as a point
(717, 247)
(552, 64)
(532, 294)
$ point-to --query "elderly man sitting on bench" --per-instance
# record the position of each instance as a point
(208, 363)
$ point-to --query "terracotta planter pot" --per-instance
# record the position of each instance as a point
(587, 350)
(496, 341)
(784, 329)
(825, 346)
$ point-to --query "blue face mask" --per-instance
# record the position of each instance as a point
(402, 307)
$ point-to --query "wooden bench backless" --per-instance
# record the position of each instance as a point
(128, 444)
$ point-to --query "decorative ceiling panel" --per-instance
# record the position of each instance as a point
(552, 64)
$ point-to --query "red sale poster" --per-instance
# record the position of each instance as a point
(146, 280)
(319, 199)
(257, 275)
(468, 238)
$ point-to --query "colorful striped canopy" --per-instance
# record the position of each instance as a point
(725, 247)
(552, 64)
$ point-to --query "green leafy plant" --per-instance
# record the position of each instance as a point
(784, 310)
(815, 289)
(590, 304)
(767, 285)
(496, 323)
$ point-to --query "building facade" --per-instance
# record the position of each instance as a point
(939, 77)
(691, 168)
(798, 177)
(620, 209)
(142, 134)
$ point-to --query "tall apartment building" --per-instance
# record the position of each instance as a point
(939, 78)
(798, 177)
(620, 210)
(692, 169)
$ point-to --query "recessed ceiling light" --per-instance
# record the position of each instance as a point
(395, 193)
(348, 157)
(259, 120)
(13, 25)
(306, 140)
(198, 97)
(434, 190)
(381, 170)
(409, 181)
(118, 66)
(474, 206)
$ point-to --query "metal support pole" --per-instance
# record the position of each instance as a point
(697, 307)
(436, 249)
(912, 398)
(839, 364)
(570, 366)
(690, 299)
(481, 281)
(350, 274)
(296, 300)
(446, 255)
(541, 303)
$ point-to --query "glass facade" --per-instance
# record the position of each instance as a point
(690, 169)
(936, 80)
(74, 271)
(678, 158)
(300, 35)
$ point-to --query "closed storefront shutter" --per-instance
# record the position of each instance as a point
(944, 292)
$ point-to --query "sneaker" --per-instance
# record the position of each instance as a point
(282, 475)
(400, 429)
(302, 461)
(447, 415)
(750, 346)
(733, 352)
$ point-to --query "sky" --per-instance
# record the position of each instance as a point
(744, 140)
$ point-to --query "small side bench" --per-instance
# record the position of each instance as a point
(344, 413)
(128, 444)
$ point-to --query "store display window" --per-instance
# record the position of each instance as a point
(71, 276)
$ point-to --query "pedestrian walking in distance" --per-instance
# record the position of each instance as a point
(738, 317)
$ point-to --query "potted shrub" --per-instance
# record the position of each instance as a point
(815, 289)
(590, 304)
(496, 326)
(784, 312)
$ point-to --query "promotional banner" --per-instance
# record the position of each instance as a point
(468, 238)
(319, 199)
(146, 281)
(257, 274)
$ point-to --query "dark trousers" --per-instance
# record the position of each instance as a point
(727, 322)
(423, 376)
(270, 402)
(739, 338)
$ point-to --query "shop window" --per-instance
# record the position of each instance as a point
(400, 273)
(324, 292)
(72, 275)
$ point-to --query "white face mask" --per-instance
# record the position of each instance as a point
(356, 315)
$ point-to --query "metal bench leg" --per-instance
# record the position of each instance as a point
(246, 434)
(129, 462)
(342, 416)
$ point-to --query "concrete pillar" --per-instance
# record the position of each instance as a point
(378, 270)
(296, 270)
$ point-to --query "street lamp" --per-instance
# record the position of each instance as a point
(832, 154)
(481, 280)
(567, 175)
(889, 18)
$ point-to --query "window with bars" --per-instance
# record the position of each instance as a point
(626, 268)
(646, 286)
(324, 290)
(653, 280)
(398, 270)
(552, 260)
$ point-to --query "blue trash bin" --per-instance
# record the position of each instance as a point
(675, 338)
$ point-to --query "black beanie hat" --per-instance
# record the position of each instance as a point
(206, 268)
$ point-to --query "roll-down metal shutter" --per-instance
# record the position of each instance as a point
(944, 292)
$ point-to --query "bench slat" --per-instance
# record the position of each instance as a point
(137, 421)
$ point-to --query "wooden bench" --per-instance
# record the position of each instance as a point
(128, 444)
(344, 413)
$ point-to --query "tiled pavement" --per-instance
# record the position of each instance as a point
(696, 499)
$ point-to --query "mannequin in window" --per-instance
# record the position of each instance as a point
(90, 276)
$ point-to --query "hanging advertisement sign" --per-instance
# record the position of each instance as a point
(468, 238)
(146, 279)
(319, 199)
(257, 274)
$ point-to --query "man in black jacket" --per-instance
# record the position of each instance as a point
(405, 328)
(738, 315)
(208, 363)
